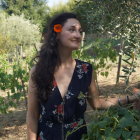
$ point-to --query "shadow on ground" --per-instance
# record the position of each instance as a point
(11, 122)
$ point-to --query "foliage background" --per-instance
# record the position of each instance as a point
(112, 31)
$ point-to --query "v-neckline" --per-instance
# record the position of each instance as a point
(69, 82)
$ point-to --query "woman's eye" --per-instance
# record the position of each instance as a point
(71, 30)
(74, 30)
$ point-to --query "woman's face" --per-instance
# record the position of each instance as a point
(71, 35)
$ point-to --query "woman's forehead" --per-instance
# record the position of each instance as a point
(72, 22)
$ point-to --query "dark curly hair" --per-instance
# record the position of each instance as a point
(48, 58)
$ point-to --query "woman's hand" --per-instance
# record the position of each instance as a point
(136, 103)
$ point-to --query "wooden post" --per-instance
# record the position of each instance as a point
(119, 63)
(119, 68)
(83, 38)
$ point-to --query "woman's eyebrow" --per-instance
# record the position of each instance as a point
(73, 26)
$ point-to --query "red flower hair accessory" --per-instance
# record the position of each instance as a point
(57, 28)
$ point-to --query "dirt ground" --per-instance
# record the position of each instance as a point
(13, 125)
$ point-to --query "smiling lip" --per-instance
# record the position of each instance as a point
(77, 41)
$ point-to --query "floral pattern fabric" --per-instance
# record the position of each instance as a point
(63, 118)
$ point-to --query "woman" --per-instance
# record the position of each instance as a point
(59, 85)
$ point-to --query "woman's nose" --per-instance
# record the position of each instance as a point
(78, 34)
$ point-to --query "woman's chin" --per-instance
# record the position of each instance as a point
(75, 47)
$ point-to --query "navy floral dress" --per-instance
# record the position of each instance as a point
(63, 118)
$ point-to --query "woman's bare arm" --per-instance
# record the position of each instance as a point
(97, 102)
(33, 110)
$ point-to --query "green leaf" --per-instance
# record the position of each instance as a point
(126, 121)
(110, 138)
(126, 134)
(116, 133)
